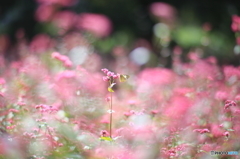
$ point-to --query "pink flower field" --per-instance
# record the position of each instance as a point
(51, 108)
(84, 93)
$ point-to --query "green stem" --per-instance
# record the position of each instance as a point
(111, 116)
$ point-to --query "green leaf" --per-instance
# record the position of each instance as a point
(106, 138)
(123, 78)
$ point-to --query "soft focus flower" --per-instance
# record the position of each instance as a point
(163, 10)
(226, 134)
(41, 43)
(59, 2)
(229, 103)
(44, 13)
(97, 24)
(64, 59)
(235, 23)
(65, 20)
(201, 131)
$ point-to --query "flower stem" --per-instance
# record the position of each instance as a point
(111, 116)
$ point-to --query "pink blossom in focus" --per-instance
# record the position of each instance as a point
(97, 24)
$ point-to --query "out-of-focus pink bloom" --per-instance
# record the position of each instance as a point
(59, 2)
(178, 107)
(2, 81)
(201, 131)
(207, 26)
(110, 74)
(177, 50)
(13, 110)
(212, 60)
(97, 24)
(202, 69)
(64, 59)
(132, 102)
(235, 23)
(65, 20)
(108, 99)
(216, 130)
(163, 10)
(156, 76)
(221, 95)
(231, 71)
(193, 56)
(104, 133)
(238, 40)
(11, 127)
(41, 43)
(5, 42)
(229, 103)
(119, 51)
(44, 13)
(104, 70)
(66, 75)
(154, 112)
(226, 134)
(106, 78)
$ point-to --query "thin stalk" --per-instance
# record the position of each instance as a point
(110, 116)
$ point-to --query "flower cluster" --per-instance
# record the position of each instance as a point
(229, 103)
(109, 75)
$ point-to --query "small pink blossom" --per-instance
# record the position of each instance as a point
(226, 134)
(13, 110)
(106, 78)
(201, 131)
(229, 103)
(108, 99)
(104, 133)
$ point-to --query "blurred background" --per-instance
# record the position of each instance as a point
(147, 32)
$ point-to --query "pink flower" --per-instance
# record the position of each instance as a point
(104, 133)
(235, 23)
(97, 24)
(229, 103)
(65, 20)
(2, 81)
(163, 10)
(226, 134)
(104, 70)
(110, 74)
(201, 131)
(64, 59)
(13, 110)
(106, 78)
(41, 43)
(108, 99)
(58, 2)
(44, 13)
(156, 76)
